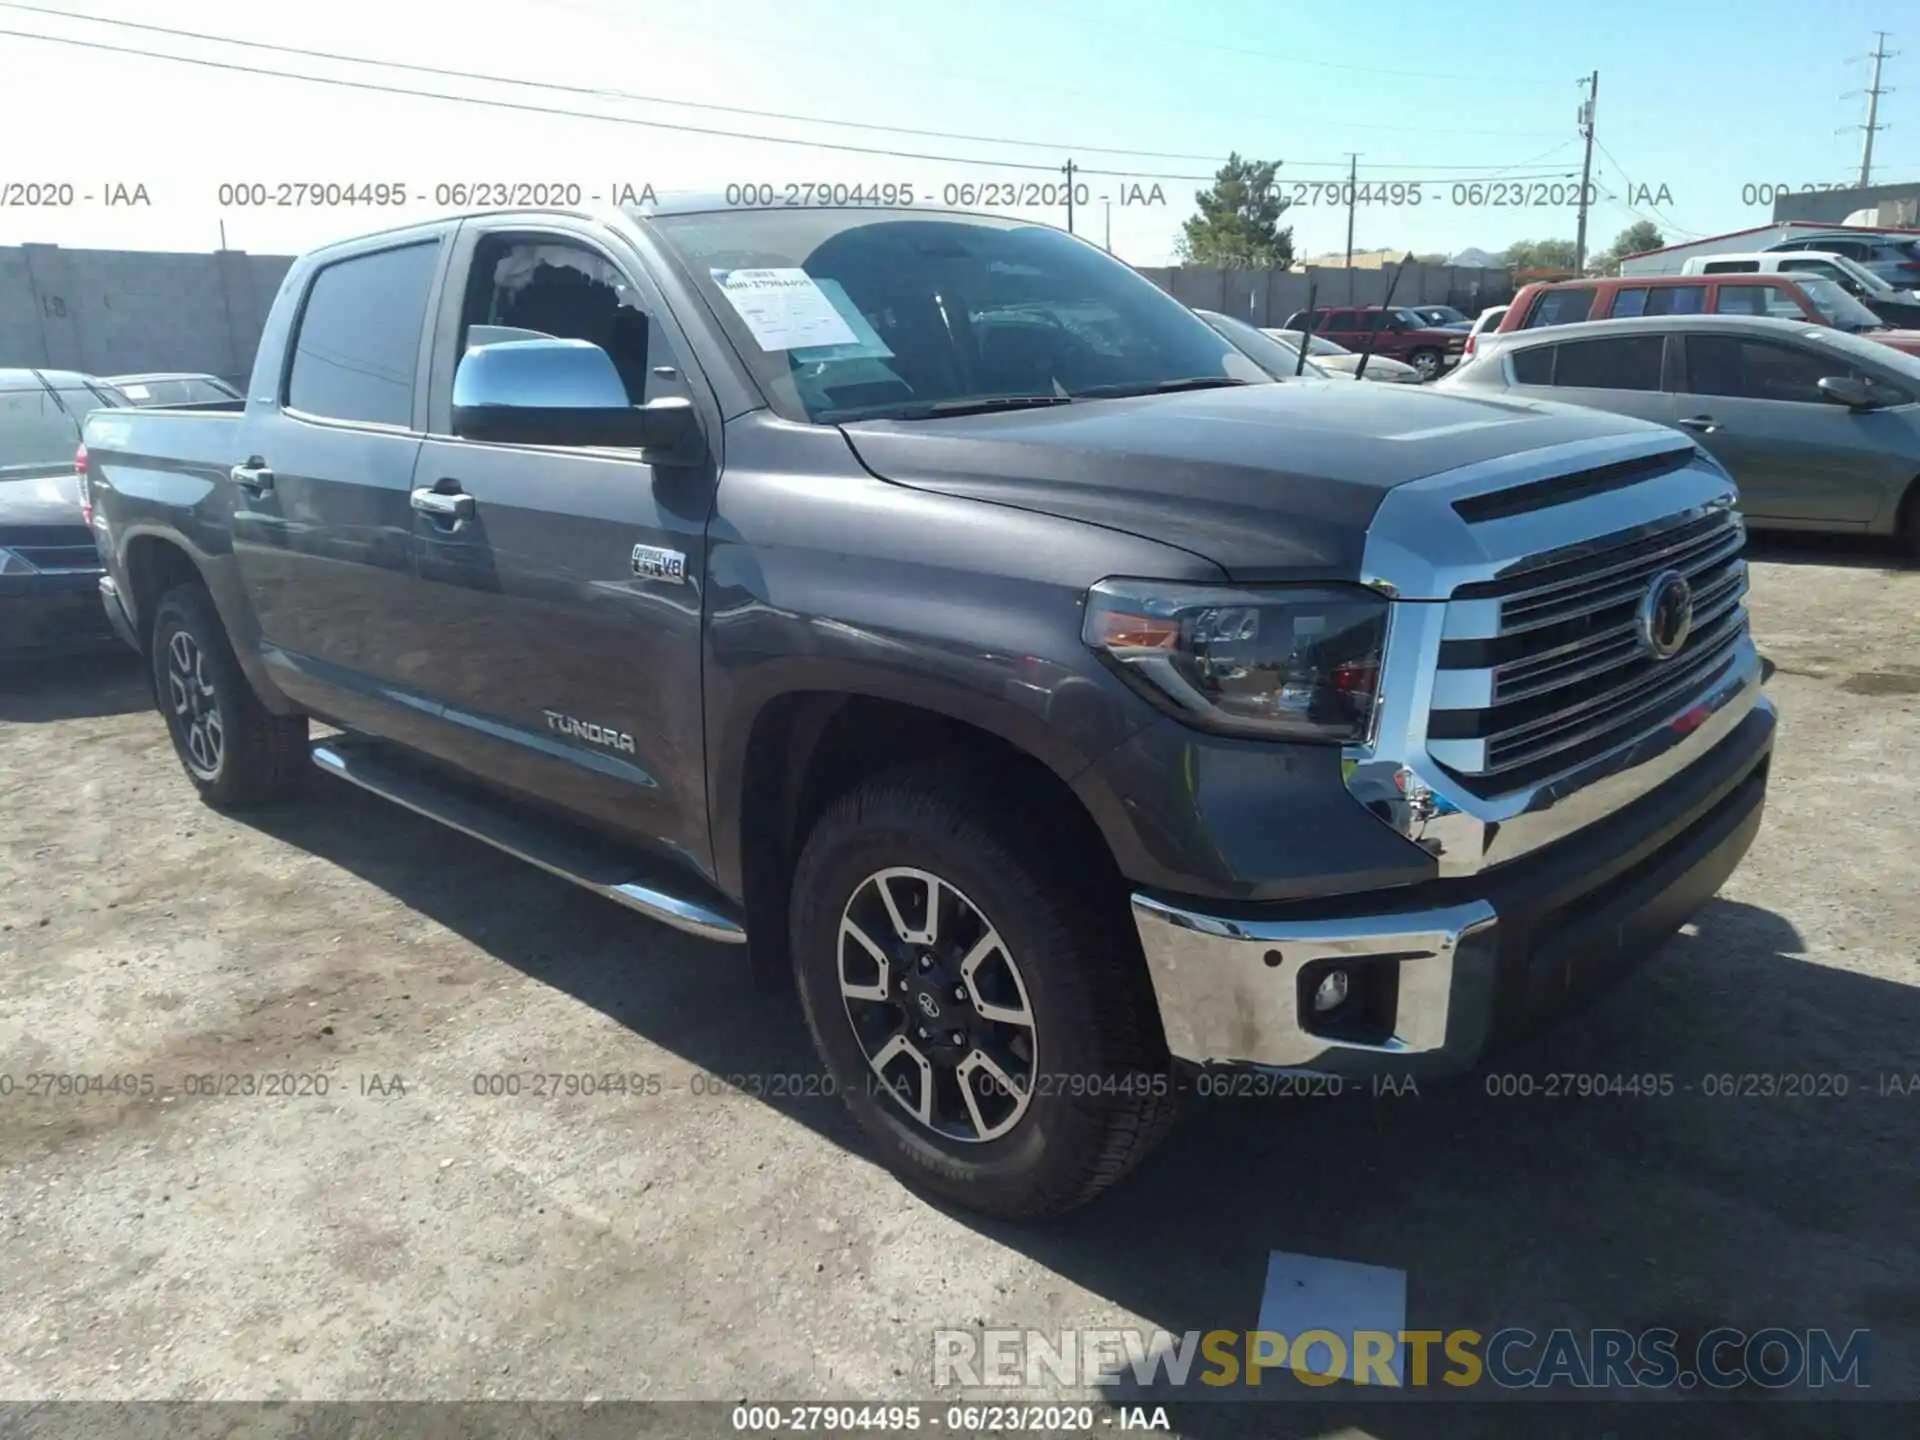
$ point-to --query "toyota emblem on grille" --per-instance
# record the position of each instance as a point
(1666, 615)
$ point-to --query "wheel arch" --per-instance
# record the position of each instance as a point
(804, 748)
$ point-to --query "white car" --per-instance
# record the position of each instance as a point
(1489, 319)
(1339, 360)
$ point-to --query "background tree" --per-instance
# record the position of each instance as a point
(1639, 236)
(1237, 226)
(1539, 255)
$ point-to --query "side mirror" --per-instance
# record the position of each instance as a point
(562, 392)
(1847, 390)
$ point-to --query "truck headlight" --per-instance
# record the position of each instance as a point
(13, 564)
(1283, 662)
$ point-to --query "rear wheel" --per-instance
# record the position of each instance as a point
(1427, 362)
(234, 750)
(1910, 520)
(985, 1015)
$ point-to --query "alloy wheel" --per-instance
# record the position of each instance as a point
(938, 1005)
(196, 710)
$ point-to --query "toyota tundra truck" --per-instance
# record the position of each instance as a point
(1058, 707)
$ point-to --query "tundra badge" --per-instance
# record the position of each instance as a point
(593, 734)
(653, 563)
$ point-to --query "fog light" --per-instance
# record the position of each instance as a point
(1331, 993)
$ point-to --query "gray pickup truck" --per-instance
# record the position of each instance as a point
(1047, 698)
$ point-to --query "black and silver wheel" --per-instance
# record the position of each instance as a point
(977, 994)
(191, 710)
(234, 750)
(1427, 362)
(937, 1005)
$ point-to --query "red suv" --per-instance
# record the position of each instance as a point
(1802, 298)
(1405, 336)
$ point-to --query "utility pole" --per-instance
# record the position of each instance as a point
(1353, 200)
(1068, 170)
(1880, 55)
(1592, 86)
(1108, 247)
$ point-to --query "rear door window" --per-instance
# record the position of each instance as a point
(359, 336)
(1629, 303)
(1676, 300)
(1631, 362)
(1562, 307)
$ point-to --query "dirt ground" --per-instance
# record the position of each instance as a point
(403, 1237)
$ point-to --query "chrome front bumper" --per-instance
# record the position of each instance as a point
(1523, 943)
(1230, 991)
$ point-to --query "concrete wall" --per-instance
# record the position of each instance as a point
(1268, 297)
(1895, 205)
(109, 312)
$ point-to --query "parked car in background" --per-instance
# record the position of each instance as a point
(174, 389)
(1893, 257)
(1820, 429)
(1443, 316)
(49, 569)
(1401, 334)
(1893, 305)
(1488, 319)
(1806, 298)
(1272, 354)
(1338, 360)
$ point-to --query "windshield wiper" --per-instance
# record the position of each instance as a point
(982, 404)
(1160, 387)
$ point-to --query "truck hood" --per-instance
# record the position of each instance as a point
(1907, 341)
(40, 500)
(1269, 482)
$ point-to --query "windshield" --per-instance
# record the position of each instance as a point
(1841, 309)
(1276, 357)
(856, 314)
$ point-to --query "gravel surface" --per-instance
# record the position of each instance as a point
(401, 1236)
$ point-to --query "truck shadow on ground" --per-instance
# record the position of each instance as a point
(1852, 552)
(42, 688)
(1732, 1199)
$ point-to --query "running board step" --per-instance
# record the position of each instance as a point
(620, 877)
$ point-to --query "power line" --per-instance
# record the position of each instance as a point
(526, 108)
(1658, 217)
(601, 93)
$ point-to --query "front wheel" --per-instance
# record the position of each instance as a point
(234, 750)
(982, 1008)
(1427, 362)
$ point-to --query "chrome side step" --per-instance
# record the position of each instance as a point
(620, 878)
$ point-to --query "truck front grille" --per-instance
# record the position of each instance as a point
(1543, 669)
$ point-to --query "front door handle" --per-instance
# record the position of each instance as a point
(1705, 424)
(443, 505)
(254, 476)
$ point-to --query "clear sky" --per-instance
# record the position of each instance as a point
(1706, 98)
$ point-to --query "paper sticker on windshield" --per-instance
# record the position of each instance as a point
(784, 309)
(867, 343)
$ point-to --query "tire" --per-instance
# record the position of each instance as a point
(1428, 362)
(234, 750)
(1909, 525)
(1096, 1093)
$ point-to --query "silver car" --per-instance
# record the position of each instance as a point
(1820, 429)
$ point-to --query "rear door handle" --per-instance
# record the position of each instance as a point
(1705, 424)
(254, 476)
(443, 505)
